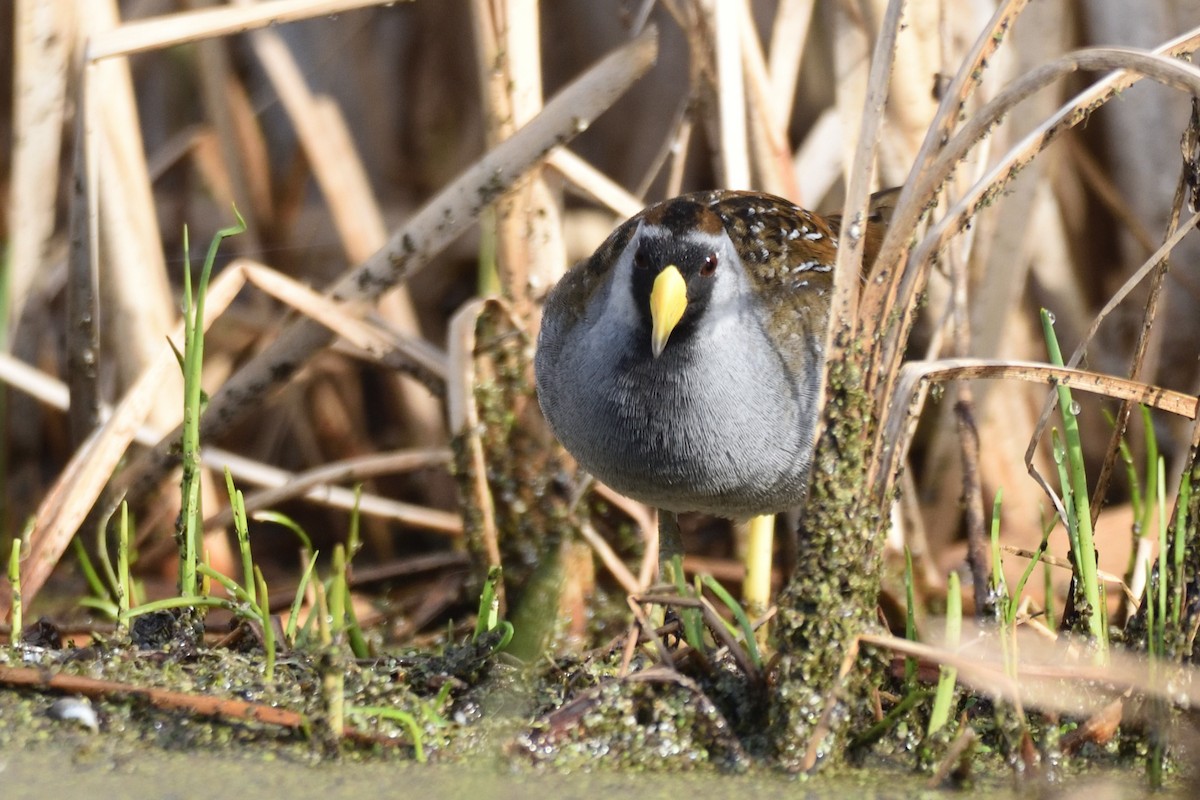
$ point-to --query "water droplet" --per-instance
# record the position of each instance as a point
(1050, 317)
(1074, 408)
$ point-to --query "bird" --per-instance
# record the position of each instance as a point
(681, 363)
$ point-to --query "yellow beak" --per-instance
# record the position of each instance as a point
(668, 299)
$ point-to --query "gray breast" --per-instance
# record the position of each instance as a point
(717, 424)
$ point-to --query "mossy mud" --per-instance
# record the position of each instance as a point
(823, 608)
(482, 722)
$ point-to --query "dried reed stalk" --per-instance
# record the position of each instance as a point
(242, 177)
(41, 59)
(54, 393)
(442, 219)
(768, 126)
(131, 274)
(463, 414)
(896, 288)
(789, 36)
(169, 30)
(330, 151)
(725, 29)
(530, 253)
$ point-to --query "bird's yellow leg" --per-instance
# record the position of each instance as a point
(756, 588)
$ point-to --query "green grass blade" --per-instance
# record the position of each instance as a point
(947, 676)
(739, 614)
(297, 601)
(268, 627)
(124, 586)
(16, 607)
(287, 522)
(415, 732)
(910, 619)
(489, 603)
(100, 593)
(1085, 554)
(1182, 505)
(237, 504)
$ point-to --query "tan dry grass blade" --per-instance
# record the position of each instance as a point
(817, 164)
(922, 52)
(964, 83)
(906, 215)
(611, 560)
(331, 153)
(41, 56)
(33, 382)
(646, 520)
(464, 419)
(733, 166)
(191, 26)
(350, 471)
(593, 183)
(344, 321)
(131, 273)
(74, 493)
(1132, 593)
(789, 35)
(245, 471)
(530, 251)
(1128, 67)
(858, 185)
(430, 230)
(328, 148)
(231, 154)
(898, 286)
(1051, 675)
(768, 126)
(902, 413)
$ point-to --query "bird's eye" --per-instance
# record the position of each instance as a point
(640, 259)
(710, 265)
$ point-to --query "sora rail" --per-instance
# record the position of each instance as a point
(681, 363)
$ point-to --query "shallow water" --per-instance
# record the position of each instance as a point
(49, 772)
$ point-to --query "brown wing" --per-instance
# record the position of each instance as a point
(879, 216)
(789, 255)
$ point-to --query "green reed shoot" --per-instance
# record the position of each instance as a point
(488, 618)
(192, 362)
(943, 697)
(1048, 589)
(1079, 514)
(264, 618)
(739, 615)
(406, 719)
(358, 642)
(14, 582)
(100, 598)
(910, 619)
(289, 632)
(124, 585)
(1182, 505)
(241, 527)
